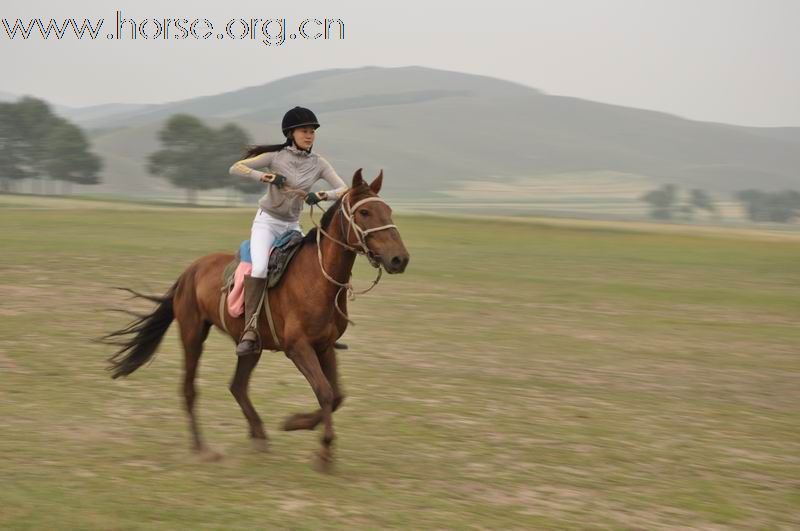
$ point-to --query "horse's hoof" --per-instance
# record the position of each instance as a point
(260, 445)
(206, 455)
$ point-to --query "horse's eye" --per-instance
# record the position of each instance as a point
(364, 212)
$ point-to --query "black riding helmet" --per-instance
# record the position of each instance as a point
(298, 117)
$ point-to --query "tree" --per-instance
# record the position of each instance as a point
(34, 120)
(662, 201)
(37, 144)
(70, 160)
(12, 167)
(231, 140)
(194, 156)
(754, 203)
(777, 207)
(23, 125)
(698, 200)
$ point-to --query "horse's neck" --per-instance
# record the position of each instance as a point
(337, 261)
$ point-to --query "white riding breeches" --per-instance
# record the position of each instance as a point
(266, 230)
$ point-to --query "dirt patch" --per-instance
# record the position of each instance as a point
(6, 362)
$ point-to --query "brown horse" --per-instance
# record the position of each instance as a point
(304, 307)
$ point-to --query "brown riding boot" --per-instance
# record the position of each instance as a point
(253, 289)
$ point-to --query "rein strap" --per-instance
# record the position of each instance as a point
(361, 234)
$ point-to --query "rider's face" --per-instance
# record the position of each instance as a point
(304, 137)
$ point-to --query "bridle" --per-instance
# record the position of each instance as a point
(348, 214)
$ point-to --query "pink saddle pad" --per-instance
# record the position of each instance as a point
(236, 296)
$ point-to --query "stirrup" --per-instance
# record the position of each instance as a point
(247, 347)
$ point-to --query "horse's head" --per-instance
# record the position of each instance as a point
(372, 226)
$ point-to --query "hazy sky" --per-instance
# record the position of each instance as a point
(735, 61)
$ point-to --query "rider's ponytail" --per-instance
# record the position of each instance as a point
(252, 151)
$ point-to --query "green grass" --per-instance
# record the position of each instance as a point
(518, 375)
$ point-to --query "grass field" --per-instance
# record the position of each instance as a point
(518, 375)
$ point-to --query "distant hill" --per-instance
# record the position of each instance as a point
(440, 132)
(108, 113)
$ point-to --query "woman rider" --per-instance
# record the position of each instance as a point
(293, 165)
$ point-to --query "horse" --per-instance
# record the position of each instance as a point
(308, 309)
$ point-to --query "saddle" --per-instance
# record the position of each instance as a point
(283, 250)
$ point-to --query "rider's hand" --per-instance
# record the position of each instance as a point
(274, 178)
(312, 198)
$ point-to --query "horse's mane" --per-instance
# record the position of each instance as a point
(327, 217)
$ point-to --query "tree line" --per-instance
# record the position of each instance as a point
(778, 207)
(39, 145)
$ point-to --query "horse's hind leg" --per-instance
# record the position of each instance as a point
(309, 421)
(239, 385)
(193, 334)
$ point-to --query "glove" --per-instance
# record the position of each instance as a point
(312, 198)
(276, 180)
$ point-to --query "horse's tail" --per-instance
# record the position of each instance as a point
(139, 340)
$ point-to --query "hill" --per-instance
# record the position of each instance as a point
(445, 133)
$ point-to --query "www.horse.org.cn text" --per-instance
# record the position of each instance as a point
(268, 31)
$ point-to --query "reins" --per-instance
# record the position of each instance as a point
(347, 214)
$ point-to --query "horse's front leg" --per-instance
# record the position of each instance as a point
(307, 362)
(309, 421)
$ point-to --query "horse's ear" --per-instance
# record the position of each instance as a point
(358, 180)
(375, 185)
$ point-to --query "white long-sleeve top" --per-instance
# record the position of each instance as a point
(301, 168)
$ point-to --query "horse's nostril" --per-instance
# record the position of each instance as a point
(398, 263)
